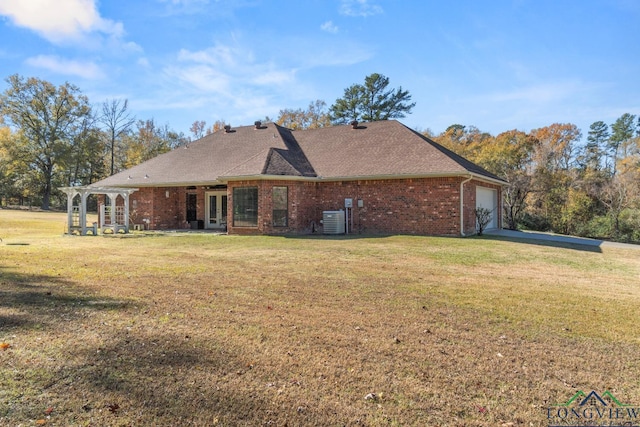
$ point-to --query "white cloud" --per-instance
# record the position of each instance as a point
(538, 93)
(215, 68)
(118, 47)
(273, 77)
(240, 83)
(231, 81)
(359, 8)
(184, 6)
(60, 20)
(329, 27)
(202, 78)
(185, 2)
(335, 56)
(218, 55)
(86, 70)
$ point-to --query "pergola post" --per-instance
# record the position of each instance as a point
(102, 213)
(83, 212)
(112, 211)
(126, 212)
(70, 196)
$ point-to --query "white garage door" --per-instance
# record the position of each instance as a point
(488, 198)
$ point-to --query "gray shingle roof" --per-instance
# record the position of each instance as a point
(376, 149)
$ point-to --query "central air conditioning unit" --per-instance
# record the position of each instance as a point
(333, 222)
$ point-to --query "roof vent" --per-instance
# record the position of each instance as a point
(354, 124)
(227, 128)
(258, 124)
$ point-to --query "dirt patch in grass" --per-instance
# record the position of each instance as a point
(224, 330)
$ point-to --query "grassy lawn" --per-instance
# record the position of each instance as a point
(198, 329)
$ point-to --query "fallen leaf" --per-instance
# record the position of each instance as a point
(371, 396)
(4, 345)
(48, 411)
(113, 407)
(41, 422)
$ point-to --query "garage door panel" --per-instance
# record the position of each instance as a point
(488, 198)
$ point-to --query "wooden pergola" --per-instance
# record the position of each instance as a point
(110, 218)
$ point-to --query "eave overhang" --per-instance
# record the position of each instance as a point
(264, 177)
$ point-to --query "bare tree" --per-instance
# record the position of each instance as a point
(197, 128)
(618, 195)
(117, 121)
(483, 218)
(217, 125)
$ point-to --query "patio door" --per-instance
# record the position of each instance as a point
(216, 210)
(192, 207)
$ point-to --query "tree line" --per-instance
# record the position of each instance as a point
(558, 183)
(53, 137)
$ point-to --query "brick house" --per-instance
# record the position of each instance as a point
(266, 179)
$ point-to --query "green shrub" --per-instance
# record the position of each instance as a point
(534, 222)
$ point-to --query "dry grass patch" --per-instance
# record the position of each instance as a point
(202, 330)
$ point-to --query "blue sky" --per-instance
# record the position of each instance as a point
(497, 65)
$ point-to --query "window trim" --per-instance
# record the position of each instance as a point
(249, 220)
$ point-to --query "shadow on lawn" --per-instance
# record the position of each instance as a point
(41, 300)
(140, 374)
(167, 378)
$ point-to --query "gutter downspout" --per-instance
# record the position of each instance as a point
(462, 204)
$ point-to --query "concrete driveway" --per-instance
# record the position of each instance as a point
(559, 238)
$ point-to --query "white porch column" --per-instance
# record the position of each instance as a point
(83, 212)
(125, 196)
(70, 195)
(102, 212)
(112, 210)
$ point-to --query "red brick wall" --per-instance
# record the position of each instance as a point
(424, 206)
(402, 206)
(152, 207)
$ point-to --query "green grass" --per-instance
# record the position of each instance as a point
(198, 329)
